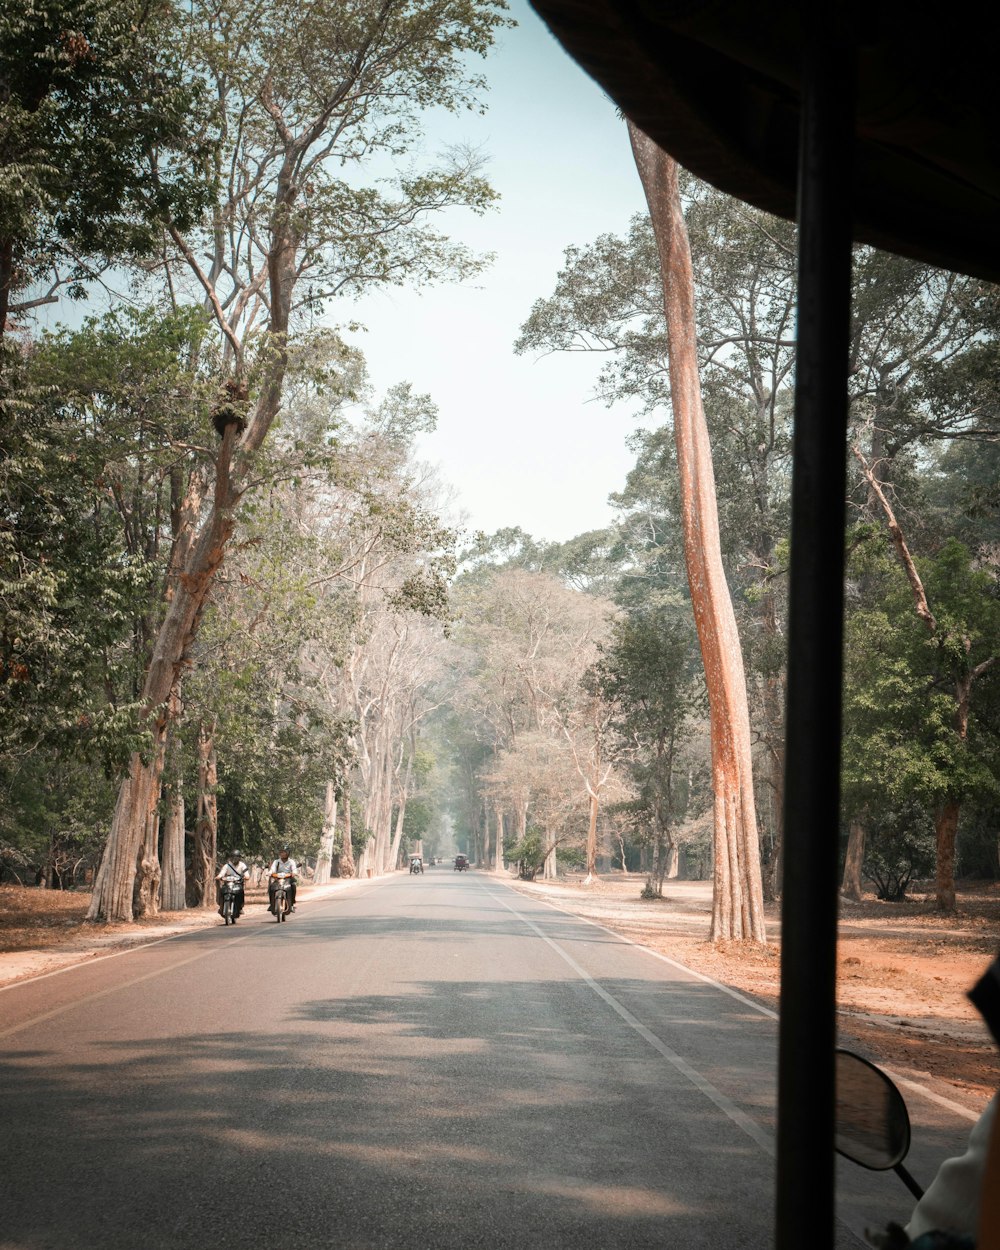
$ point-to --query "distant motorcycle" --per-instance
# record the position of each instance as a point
(282, 885)
(416, 864)
(232, 897)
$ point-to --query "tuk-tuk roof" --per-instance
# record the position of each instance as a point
(717, 84)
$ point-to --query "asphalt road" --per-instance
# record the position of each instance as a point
(427, 1062)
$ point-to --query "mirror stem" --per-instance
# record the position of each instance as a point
(908, 1181)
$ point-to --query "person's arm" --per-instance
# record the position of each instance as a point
(951, 1203)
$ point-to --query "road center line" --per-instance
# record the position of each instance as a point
(753, 1130)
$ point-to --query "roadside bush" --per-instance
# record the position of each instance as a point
(899, 847)
(529, 856)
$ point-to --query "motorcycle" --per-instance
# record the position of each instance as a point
(282, 884)
(232, 897)
(416, 864)
(461, 863)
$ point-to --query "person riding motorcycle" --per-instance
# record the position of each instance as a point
(236, 870)
(283, 864)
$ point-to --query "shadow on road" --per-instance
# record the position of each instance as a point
(453, 1114)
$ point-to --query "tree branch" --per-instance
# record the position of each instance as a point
(920, 603)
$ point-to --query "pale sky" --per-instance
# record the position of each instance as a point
(520, 440)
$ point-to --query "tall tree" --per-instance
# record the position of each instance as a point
(301, 93)
(737, 906)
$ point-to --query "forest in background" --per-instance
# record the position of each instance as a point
(235, 608)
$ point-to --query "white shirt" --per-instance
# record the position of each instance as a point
(285, 865)
(229, 869)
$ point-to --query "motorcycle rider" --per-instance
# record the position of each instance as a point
(282, 865)
(233, 868)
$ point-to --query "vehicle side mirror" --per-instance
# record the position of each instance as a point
(872, 1124)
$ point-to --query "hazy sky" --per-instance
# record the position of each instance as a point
(519, 439)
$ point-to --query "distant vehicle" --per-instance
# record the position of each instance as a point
(461, 863)
(416, 864)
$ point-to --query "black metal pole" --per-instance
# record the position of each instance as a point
(807, 1032)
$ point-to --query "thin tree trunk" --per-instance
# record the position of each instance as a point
(172, 885)
(853, 861)
(324, 859)
(774, 703)
(207, 824)
(347, 865)
(397, 837)
(621, 847)
(483, 858)
(6, 282)
(945, 831)
(498, 865)
(592, 841)
(737, 906)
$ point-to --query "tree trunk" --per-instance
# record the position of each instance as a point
(328, 836)
(6, 282)
(499, 865)
(592, 841)
(114, 883)
(737, 905)
(945, 830)
(483, 857)
(397, 837)
(774, 710)
(146, 899)
(347, 865)
(172, 892)
(550, 869)
(853, 861)
(207, 824)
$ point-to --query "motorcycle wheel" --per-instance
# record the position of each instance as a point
(279, 905)
(227, 911)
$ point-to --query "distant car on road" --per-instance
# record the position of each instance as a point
(461, 863)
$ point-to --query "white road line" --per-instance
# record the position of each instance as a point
(761, 1136)
(699, 976)
(257, 931)
(125, 985)
(915, 1086)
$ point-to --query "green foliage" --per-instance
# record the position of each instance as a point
(100, 134)
(55, 816)
(92, 419)
(647, 675)
(900, 739)
(528, 854)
